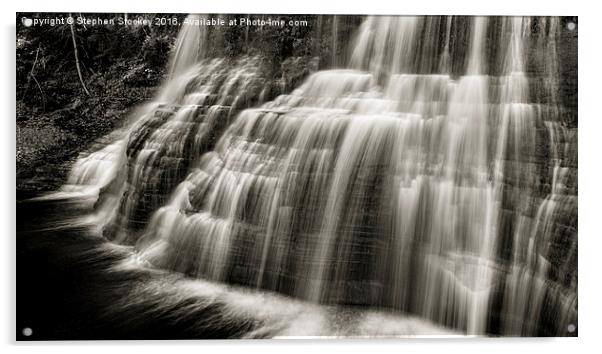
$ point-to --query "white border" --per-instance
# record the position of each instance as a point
(377, 7)
(590, 131)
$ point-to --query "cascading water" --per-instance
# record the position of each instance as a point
(138, 171)
(427, 178)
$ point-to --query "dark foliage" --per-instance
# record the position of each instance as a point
(56, 119)
(123, 66)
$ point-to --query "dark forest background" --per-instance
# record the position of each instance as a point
(123, 66)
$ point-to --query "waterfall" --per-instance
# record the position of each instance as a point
(186, 55)
(425, 178)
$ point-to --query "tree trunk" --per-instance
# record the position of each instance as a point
(79, 72)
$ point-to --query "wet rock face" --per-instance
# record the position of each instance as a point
(185, 122)
(439, 181)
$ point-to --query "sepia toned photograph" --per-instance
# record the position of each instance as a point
(259, 176)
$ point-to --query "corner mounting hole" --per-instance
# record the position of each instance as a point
(27, 331)
(571, 328)
(571, 26)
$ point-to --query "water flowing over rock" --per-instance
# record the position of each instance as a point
(435, 175)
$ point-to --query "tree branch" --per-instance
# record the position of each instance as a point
(32, 76)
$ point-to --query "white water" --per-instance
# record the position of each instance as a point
(396, 183)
